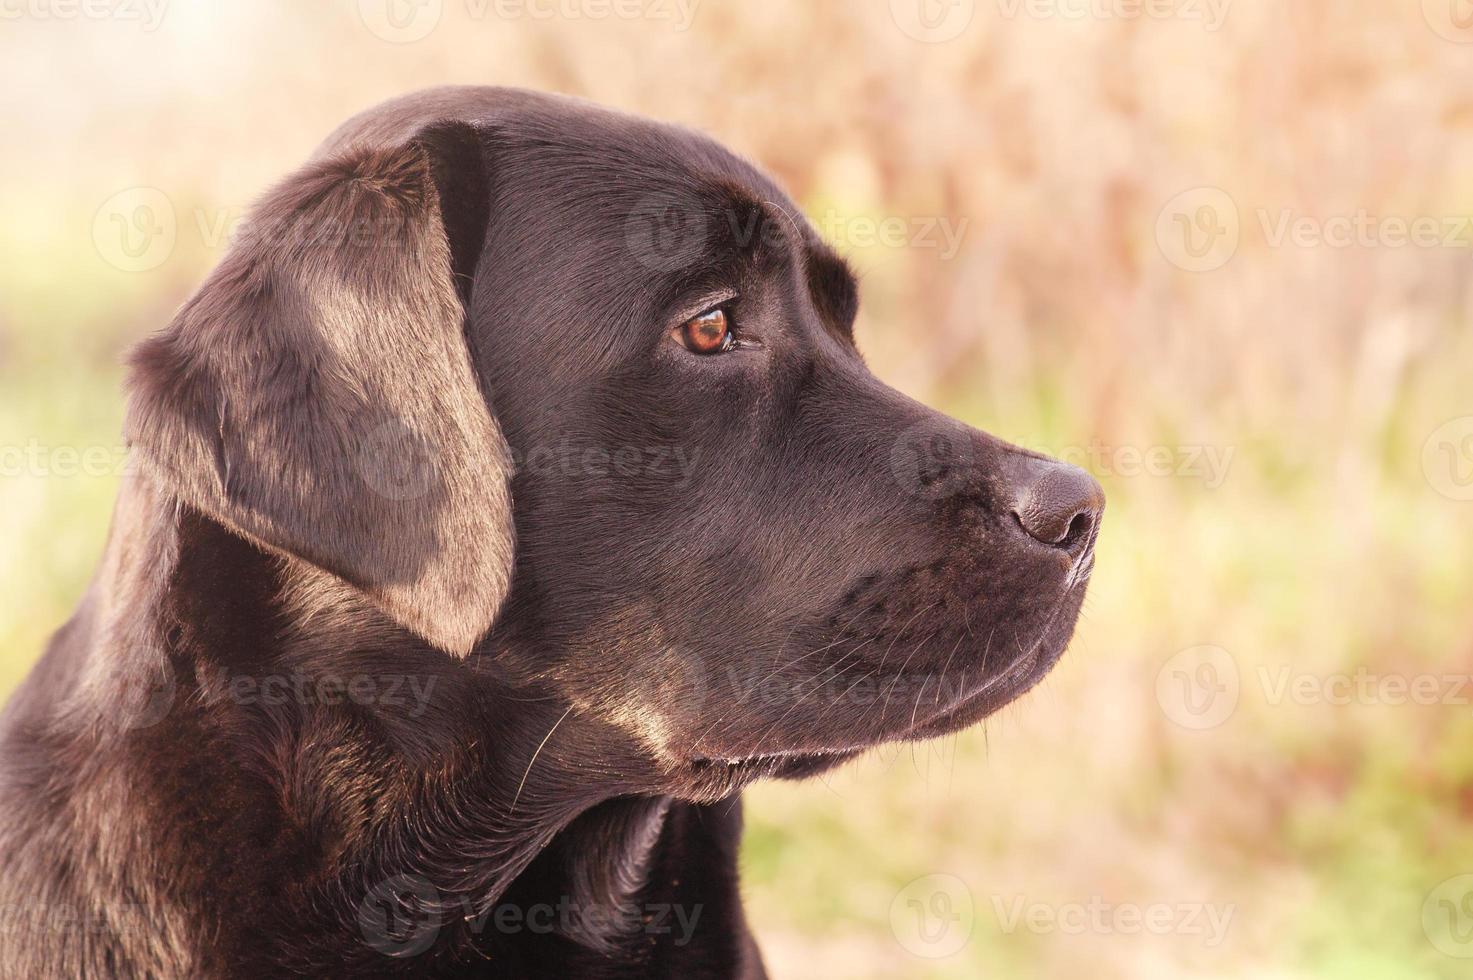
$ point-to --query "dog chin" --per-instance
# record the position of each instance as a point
(722, 775)
(776, 765)
(1017, 679)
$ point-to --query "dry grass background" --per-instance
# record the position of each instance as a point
(1333, 380)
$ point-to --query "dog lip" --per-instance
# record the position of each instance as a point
(991, 694)
(1015, 680)
(980, 698)
(1023, 667)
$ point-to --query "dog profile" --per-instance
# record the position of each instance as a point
(511, 496)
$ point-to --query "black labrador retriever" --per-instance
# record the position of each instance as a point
(510, 497)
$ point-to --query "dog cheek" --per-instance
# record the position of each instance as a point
(640, 681)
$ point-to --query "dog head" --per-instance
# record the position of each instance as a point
(577, 395)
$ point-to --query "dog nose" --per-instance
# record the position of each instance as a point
(1061, 507)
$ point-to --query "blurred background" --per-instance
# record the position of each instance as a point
(1216, 251)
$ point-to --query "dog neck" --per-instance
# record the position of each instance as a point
(598, 867)
(368, 771)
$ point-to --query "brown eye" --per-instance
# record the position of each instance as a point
(709, 333)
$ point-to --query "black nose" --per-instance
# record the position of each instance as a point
(1061, 507)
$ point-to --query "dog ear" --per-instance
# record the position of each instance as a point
(318, 393)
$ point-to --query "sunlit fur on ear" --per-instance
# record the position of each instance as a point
(317, 394)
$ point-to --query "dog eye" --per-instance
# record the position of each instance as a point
(709, 333)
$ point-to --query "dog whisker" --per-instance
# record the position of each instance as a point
(531, 762)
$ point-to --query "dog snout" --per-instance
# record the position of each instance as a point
(1060, 505)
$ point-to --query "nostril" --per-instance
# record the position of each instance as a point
(1078, 529)
(1060, 507)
